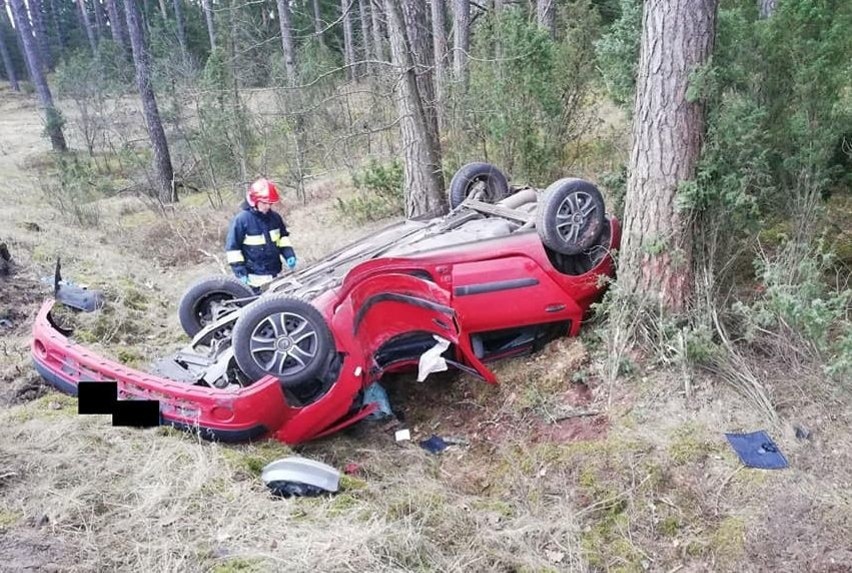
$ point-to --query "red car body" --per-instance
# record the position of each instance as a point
(493, 286)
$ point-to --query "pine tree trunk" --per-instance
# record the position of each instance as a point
(378, 40)
(31, 53)
(287, 45)
(37, 17)
(87, 25)
(420, 45)
(424, 182)
(656, 258)
(439, 45)
(365, 33)
(57, 31)
(461, 40)
(8, 65)
(317, 20)
(546, 15)
(181, 28)
(162, 161)
(766, 7)
(117, 25)
(348, 48)
(208, 18)
(99, 20)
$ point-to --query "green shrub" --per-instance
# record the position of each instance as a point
(797, 311)
(381, 193)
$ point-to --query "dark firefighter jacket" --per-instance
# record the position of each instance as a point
(256, 242)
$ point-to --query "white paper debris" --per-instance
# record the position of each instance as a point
(431, 360)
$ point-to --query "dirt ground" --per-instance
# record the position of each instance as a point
(554, 470)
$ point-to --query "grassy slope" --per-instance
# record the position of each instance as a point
(647, 483)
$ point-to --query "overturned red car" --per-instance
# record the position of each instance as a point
(505, 271)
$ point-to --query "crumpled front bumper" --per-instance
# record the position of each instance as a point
(257, 411)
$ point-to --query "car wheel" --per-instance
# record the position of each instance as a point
(282, 336)
(482, 181)
(202, 302)
(570, 216)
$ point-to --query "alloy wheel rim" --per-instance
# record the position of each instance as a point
(284, 344)
(573, 214)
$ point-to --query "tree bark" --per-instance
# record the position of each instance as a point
(8, 65)
(420, 46)
(208, 18)
(162, 161)
(117, 25)
(378, 41)
(656, 259)
(31, 53)
(99, 20)
(461, 40)
(424, 181)
(348, 49)
(317, 20)
(365, 32)
(37, 17)
(439, 45)
(766, 7)
(287, 45)
(546, 15)
(164, 11)
(87, 25)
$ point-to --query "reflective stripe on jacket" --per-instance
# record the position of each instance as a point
(256, 242)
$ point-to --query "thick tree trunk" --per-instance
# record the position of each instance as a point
(365, 32)
(546, 15)
(424, 182)
(656, 259)
(439, 45)
(420, 46)
(31, 53)
(348, 48)
(116, 25)
(378, 40)
(461, 40)
(87, 25)
(37, 17)
(208, 18)
(766, 7)
(181, 28)
(162, 161)
(287, 45)
(8, 65)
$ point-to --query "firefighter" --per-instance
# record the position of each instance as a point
(258, 240)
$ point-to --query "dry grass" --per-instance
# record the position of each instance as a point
(563, 472)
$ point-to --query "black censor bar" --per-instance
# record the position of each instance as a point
(102, 398)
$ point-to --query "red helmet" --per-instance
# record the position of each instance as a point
(262, 190)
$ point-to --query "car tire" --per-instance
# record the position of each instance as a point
(570, 216)
(194, 310)
(466, 178)
(264, 342)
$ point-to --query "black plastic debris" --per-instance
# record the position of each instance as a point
(288, 489)
(75, 296)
